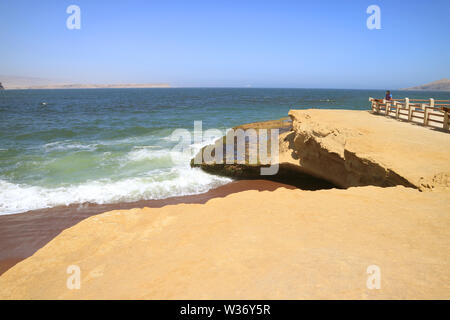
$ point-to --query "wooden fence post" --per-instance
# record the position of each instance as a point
(425, 114)
(376, 105)
(373, 104)
(410, 110)
(445, 120)
(397, 110)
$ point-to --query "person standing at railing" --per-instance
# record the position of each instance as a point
(388, 96)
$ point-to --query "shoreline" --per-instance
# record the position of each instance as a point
(22, 234)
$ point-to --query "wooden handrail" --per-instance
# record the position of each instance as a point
(430, 112)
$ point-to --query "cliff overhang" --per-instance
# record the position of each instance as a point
(346, 148)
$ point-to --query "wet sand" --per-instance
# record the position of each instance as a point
(23, 234)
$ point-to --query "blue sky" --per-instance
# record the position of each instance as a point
(306, 44)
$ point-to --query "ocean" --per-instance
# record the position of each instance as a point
(61, 147)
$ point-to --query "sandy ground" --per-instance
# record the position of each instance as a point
(23, 234)
(282, 244)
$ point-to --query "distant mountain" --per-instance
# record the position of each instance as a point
(439, 85)
(13, 82)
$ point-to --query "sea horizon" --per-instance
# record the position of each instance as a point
(423, 92)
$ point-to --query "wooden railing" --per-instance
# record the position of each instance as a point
(429, 112)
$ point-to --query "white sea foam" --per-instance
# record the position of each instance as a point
(179, 156)
(148, 153)
(16, 198)
(68, 145)
(178, 180)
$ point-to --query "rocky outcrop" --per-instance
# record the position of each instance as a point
(250, 170)
(1, 86)
(356, 148)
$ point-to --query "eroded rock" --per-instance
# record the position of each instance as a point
(354, 148)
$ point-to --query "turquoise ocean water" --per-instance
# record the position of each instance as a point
(59, 147)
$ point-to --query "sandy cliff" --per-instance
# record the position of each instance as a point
(285, 244)
(355, 148)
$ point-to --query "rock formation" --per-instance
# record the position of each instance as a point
(1, 86)
(356, 148)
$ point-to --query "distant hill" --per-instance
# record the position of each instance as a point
(13, 82)
(94, 86)
(439, 85)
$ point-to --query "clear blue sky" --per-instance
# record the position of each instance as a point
(312, 44)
